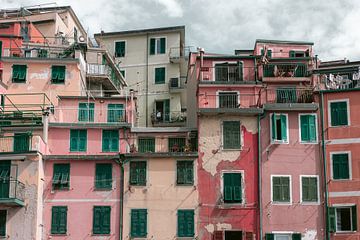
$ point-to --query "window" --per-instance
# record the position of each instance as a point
(229, 72)
(228, 100)
(115, 113)
(185, 173)
(61, 176)
(146, 145)
(232, 187)
(3, 214)
(101, 219)
(286, 95)
(279, 127)
(58, 220)
(269, 53)
(57, 74)
(138, 173)
(308, 128)
(157, 46)
(342, 218)
(176, 144)
(78, 140)
(309, 189)
(123, 73)
(162, 111)
(86, 112)
(22, 142)
(185, 222)
(340, 166)
(19, 73)
(283, 236)
(110, 140)
(339, 113)
(231, 135)
(103, 176)
(120, 49)
(160, 75)
(42, 53)
(138, 223)
(298, 54)
(281, 189)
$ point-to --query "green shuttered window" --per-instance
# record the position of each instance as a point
(342, 218)
(61, 176)
(185, 222)
(146, 145)
(273, 236)
(185, 173)
(59, 220)
(309, 189)
(232, 187)
(308, 128)
(120, 49)
(339, 113)
(229, 72)
(86, 112)
(231, 135)
(58, 74)
(176, 144)
(19, 73)
(78, 140)
(340, 166)
(115, 113)
(101, 219)
(138, 173)
(157, 46)
(22, 142)
(110, 140)
(138, 223)
(279, 127)
(228, 100)
(160, 75)
(3, 214)
(103, 176)
(286, 95)
(281, 189)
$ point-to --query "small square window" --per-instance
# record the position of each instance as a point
(58, 74)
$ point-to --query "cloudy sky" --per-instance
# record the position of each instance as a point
(222, 26)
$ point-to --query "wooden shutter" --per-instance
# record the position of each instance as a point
(62, 220)
(142, 222)
(0, 49)
(313, 195)
(167, 110)
(312, 128)
(3, 214)
(103, 175)
(134, 223)
(331, 219)
(296, 236)
(291, 53)
(283, 127)
(228, 188)
(342, 111)
(273, 127)
(162, 45)
(159, 75)
(305, 128)
(54, 73)
(285, 187)
(54, 220)
(185, 223)
(231, 135)
(152, 46)
(269, 236)
(133, 174)
(106, 216)
(276, 184)
(141, 172)
(61, 73)
(96, 220)
(240, 71)
(354, 218)
(82, 140)
(73, 140)
(189, 172)
(180, 172)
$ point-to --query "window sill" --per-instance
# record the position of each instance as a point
(185, 238)
(103, 189)
(339, 126)
(281, 203)
(313, 143)
(345, 232)
(100, 234)
(341, 180)
(279, 142)
(58, 234)
(310, 203)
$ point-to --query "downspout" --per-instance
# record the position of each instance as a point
(121, 162)
(147, 80)
(259, 117)
(327, 234)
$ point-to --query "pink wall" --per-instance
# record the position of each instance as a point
(281, 50)
(80, 199)
(293, 159)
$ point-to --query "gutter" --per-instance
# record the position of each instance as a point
(327, 234)
(259, 173)
(121, 162)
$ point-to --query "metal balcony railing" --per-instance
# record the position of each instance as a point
(21, 143)
(168, 117)
(39, 52)
(289, 95)
(102, 70)
(176, 83)
(11, 189)
(175, 53)
(285, 70)
(229, 100)
(227, 73)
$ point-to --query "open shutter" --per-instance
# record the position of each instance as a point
(354, 218)
(240, 71)
(296, 236)
(283, 127)
(167, 110)
(331, 219)
(312, 128)
(304, 126)
(273, 127)
(152, 46)
(162, 45)
(269, 236)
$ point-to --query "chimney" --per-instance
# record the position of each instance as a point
(201, 52)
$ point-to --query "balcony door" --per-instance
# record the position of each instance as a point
(162, 110)
(4, 178)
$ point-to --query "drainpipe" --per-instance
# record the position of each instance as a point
(121, 162)
(132, 107)
(147, 79)
(327, 234)
(201, 51)
(259, 117)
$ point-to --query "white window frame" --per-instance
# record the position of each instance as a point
(243, 198)
(336, 206)
(157, 47)
(317, 192)
(273, 141)
(125, 47)
(224, 91)
(347, 110)
(316, 128)
(331, 165)
(166, 74)
(279, 234)
(222, 135)
(271, 188)
(230, 62)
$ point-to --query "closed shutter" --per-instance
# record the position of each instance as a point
(189, 172)
(73, 140)
(78, 140)
(285, 184)
(159, 75)
(3, 220)
(152, 46)
(115, 113)
(110, 141)
(106, 216)
(281, 189)
(82, 140)
(59, 220)
(120, 49)
(0, 49)
(340, 166)
(185, 223)
(231, 135)
(228, 192)
(269, 236)
(273, 127)
(300, 70)
(354, 218)
(62, 219)
(313, 196)
(54, 220)
(342, 110)
(103, 175)
(312, 128)
(21, 142)
(338, 113)
(304, 125)
(232, 187)
(296, 236)
(180, 172)
(162, 45)
(143, 222)
(138, 223)
(283, 127)
(141, 172)
(331, 219)
(167, 110)
(133, 174)
(96, 220)
(146, 145)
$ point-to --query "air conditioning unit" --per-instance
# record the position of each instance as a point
(174, 83)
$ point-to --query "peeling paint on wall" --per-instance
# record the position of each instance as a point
(210, 228)
(310, 235)
(40, 75)
(223, 226)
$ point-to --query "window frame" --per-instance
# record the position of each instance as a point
(12, 73)
(273, 141)
(118, 109)
(165, 75)
(345, 205)
(222, 135)
(349, 164)
(118, 141)
(224, 91)
(90, 111)
(78, 150)
(214, 63)
(317, 190)
(52, 231)
(125, 51)
(139, 184)
(105, 187)
(156, 46)
(56, 81)
(243, 197)
(102, 220)
(177, 174)
(146, 138)
(316, 129)
(272, 189)
(347, 111)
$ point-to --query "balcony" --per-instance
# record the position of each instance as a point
(21, 143)
(103, 73)
(285, 72)
(231, 102)
(168, 119)
(230, 73)
(178, 53)
(176, 84)
(40, 52)
(12, 192)
(290, 98)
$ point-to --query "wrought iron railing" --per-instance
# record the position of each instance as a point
(168, 117)
(229, 100)
(285, 70)
(12, 189)
(289, 95)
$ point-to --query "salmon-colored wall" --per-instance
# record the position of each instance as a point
(80, 200)
(281, 50)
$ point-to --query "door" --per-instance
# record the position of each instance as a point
(233, 235)
(167, 110)
(4, 178)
